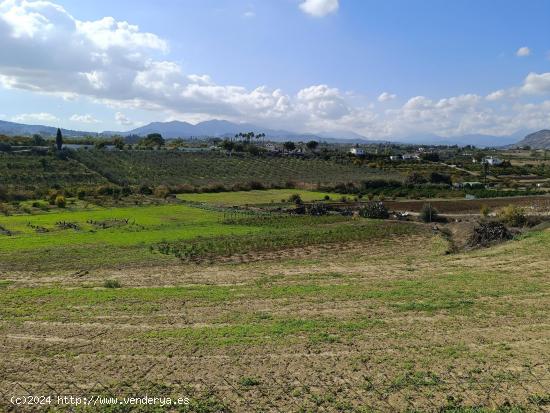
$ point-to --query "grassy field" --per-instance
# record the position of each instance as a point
(362, 316)
(256, 197)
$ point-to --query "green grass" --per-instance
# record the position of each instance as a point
(146, 225)
(457, 292)
(93, 245)
(256, 197)
(93, 236)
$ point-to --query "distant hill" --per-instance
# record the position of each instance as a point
(478, 140)
(12, 128)
(224, 129)
(216, 128)
(536, 140)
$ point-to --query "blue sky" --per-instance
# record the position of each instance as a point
(387, 68)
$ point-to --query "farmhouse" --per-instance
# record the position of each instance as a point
(490, 160)
(411, 157)
(357, 151)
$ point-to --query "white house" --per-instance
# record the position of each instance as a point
(395, 158)
(411, 157)
(490, 160)
(357, 151)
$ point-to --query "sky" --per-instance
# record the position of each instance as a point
(380, 68)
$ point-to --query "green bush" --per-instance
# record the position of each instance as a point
(60, 201)
(112, 284)
(295, 198)
(512, 215)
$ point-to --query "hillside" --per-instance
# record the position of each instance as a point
(203, 169)
(13, 128)
(25, 171)
(536, 140)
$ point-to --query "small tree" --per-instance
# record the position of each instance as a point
(289, 146)
(152, 140)
(312, 145)
(428, 213)
(59, 140)
(38, 140)
(60, 201)
(296, 198)
(118, 142)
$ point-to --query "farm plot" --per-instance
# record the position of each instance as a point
(201, 169)
(102, 236)
(391, 324)
(539, 204)
(27, 170)
(256, 197)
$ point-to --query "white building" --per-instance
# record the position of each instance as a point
(357, 151)
(490, 160)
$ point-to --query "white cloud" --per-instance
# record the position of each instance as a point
(84, 118)
(42, 117)
(321, 101)
(121, 119)
(496, 95)
(319, 8)
(385, 97)
(523, 51)
(536, 83)
(249, 14)
(43, 49)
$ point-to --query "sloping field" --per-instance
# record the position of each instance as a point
(176, 168)
(26, 171)
(390, 323)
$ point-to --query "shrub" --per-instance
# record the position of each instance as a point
(317, 209)
(105, 190)
(249, 381)
(60, 201)
(112, 284)
(145, 190)
(81, 194)
(295, 198)
(512, 215)
(161, 191)
(414, 178)
(428, 213)
(375, 210)
(437, 178)
(484, 210)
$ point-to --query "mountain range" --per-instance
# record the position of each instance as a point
(12, 128)
(223, 128)
(536, 140)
